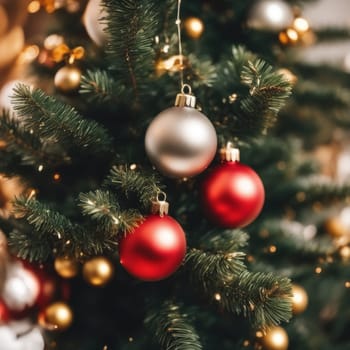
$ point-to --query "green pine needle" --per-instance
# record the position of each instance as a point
(172, 329)
(134, 183)
(58, 123)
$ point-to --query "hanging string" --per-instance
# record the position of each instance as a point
(178, 24)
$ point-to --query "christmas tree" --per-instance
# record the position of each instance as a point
(169, 189)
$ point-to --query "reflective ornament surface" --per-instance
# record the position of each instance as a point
(232, 195)
(93, 22)
(155, 249)
(181, 141)
(67, 79)
(270, 15)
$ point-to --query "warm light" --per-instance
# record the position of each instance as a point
(133, 167)
(301, 25)
(33, 6)
(273, 249)
(57, 177)
(259, 334)
(347, 284)
(292, 34)
(345, 252)
(274, 13)
(40, 168)
(278, 339)
(194, 27)
(318, 270)
(217, 296)
(283, 38)
(52, 41)
(29, 54)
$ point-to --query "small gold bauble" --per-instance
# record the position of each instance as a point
(66, 267)
(194, 27)
(299, 300)
(335, 227)
(275, 339)
(57, 316)
(98, 271)
(67, 79)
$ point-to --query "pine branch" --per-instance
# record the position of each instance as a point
(252, 94)
(132, 26)
(98, 86)
(324, 97)
(263, 298)
(293, 238)
(133, 183)
(25, 145)
(268, 91)
(305, 191)
(29, 245)
(102, 207)
(172, 328)
(56, 122)
(52, 233)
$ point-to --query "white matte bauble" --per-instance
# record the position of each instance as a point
(21, 288)
(181, 141)
(94, 12)
(270, 15)
(21, 335)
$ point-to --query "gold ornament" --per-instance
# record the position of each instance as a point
(194, 27)
(275, 338)
(67, 79)
(98, 271)
(66, 267)
(299, 300)
(336, 228)
(172, 64)
(57, 316)
(301, 25)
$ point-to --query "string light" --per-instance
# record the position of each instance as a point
(272, 249)
(178, 24)
(301, 25)
(33, 6)
(347, 284)
(217, 296)
(318, 270)
(56, 177)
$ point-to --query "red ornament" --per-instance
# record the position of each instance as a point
(4, 312)
(232, 193)
(155, 249)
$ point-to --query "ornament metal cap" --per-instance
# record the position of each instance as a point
(160, 206)
(185, 99)
(229, 153)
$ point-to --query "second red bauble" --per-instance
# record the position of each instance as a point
(155, 249)
(232, 195)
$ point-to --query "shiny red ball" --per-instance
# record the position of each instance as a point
(155, 249)
(4, 312)
(232, 195)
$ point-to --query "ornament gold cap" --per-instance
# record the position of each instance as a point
(185, 98)
(160, 205)
(229, 153)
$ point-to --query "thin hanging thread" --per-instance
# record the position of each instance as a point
(178, 24)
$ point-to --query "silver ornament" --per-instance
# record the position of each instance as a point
(93, 14)
(181, 141)
(270, 15)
